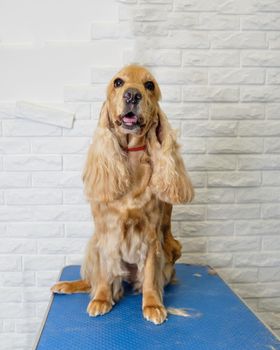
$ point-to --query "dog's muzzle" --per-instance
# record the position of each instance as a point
(132, 96)
(130, 119)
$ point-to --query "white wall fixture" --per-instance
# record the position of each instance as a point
(44, 114)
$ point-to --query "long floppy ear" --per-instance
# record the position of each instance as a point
(169, 181)
(106, 176)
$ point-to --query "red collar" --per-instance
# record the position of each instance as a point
(135, 149)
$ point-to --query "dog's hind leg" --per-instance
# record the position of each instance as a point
(70, 287)
(117, 289)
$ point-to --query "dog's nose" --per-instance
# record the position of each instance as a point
(132, 96)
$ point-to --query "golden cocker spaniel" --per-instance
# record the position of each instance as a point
(133, 175)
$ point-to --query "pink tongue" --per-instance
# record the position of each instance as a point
(130, 120)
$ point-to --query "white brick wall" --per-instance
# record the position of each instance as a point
(218, 63)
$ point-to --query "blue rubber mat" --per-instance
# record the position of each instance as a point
(218, 319)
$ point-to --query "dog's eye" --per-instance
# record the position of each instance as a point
(149, 85)
(118, 82)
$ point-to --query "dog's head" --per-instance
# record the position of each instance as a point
(132, 100)
(132, 107)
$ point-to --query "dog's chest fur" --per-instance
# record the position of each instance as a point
(137, 208)
(128, 222)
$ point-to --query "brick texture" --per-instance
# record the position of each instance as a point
(218, 65)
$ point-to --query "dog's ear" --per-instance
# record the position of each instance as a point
(106, 176)
(169, 181)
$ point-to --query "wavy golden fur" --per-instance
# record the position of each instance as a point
(131, 195)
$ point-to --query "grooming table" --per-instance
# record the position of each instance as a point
(218, 319)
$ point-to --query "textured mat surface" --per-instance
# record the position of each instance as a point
(218, 319)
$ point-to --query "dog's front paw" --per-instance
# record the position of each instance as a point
(98, 307)
(155, 313)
